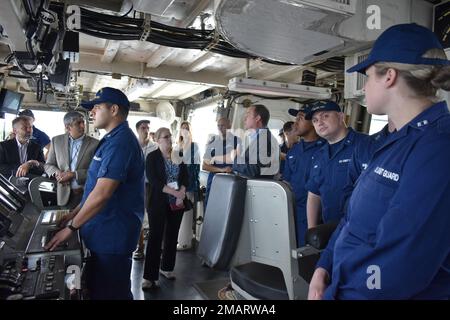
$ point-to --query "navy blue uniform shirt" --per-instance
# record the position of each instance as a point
(364, 151)
(40, 137)
(296, 172)
(362, 154)
(115, 229)
(398, 218)
(217, 146)
(283, 149)
(328, 176)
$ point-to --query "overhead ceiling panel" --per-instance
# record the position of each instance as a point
(156, 7)
(135, 51)
(183, 57)
(106, 81)
(176, 89)
(173, 9)
(277, 30)
(89, 43)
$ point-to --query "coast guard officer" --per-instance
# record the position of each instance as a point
(328, 176)
(217, 149)
(298, 166)
(112, 208)
(394, 242)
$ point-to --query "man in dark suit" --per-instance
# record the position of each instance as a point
(21, 156)
(261, 158)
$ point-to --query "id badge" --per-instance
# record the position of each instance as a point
(173, 185)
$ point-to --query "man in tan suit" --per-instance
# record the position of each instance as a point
(69, 158)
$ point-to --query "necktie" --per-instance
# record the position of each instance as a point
(74, 157)
(23, 153)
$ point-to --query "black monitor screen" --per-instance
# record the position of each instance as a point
(10, 101)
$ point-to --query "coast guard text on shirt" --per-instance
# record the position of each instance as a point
(387, 174)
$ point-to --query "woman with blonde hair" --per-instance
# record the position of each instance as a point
(188, 151)
(394, 241)
(168, 180)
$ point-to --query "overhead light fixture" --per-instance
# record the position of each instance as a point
(278, 89)
(138, 89)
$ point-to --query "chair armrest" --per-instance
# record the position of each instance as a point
(307, 258)
(319, 236)
(304, 252)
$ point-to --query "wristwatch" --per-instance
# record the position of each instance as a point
(71, 227)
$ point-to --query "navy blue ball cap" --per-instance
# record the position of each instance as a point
(402, 43)
(294, 112)
(108, 95)
(321, 106)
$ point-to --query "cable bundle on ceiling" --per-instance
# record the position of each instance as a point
(112, 27)
(124, 28)
(334, 64)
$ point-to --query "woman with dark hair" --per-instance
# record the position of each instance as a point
(394, 241)
(168, 180)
